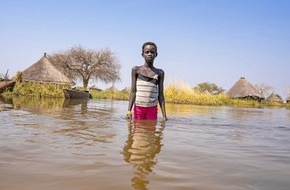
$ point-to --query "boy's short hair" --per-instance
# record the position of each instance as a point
(149, 43)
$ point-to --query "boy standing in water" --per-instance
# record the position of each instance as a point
(147, 87)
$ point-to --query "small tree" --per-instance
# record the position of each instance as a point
(85, 64)
(212, 88)
(264, 89)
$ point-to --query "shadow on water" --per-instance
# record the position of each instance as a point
(141, 147)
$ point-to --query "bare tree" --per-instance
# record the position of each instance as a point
(84, 64)
(264, 89)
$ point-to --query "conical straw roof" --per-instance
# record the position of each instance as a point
(274, 98)
(44, 71)
(126, 89)
(243, 89)
(112, 89)
(94, 87)
(288, 99)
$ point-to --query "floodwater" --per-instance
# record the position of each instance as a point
(88, 145)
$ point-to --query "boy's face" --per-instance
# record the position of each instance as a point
(149, 53)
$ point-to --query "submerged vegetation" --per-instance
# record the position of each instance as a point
(176, 93)
(110, 95)
(37, 90)
(180, 93)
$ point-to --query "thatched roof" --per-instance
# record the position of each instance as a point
(94, 87)
(274, 98)
(112, 89)
(206, 92)
(126, 89)
(7, 85)
(288, 99)
(243, 89)
(44, 71)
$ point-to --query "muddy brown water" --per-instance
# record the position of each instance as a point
(88, 145)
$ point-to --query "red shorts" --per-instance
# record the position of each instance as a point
(145, 113)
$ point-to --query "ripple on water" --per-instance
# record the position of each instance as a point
(87, 145)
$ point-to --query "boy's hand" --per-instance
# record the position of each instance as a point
(129, 115)
(165, 118)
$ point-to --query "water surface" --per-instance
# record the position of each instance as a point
(59, 144)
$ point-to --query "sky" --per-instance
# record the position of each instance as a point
(216, 41)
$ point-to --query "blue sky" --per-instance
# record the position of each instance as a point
(215, 41)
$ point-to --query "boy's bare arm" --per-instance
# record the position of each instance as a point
(133, 92)
(161, 95)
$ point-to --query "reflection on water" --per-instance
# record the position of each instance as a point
(73, 102)
(53, 144)
(141, 148)
(37, 105)
(185, 110)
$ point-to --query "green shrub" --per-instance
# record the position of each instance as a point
(40, 90)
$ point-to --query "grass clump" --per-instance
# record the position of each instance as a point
(180, 93)
(110, 95)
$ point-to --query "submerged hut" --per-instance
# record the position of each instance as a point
(126, 89)
(7, 85)
(43, 71)
(288, 99)
(112, 89)
(95, 88)
(244, 89)
(274, 98)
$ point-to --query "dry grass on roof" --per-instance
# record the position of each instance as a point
(242, 88)
(44, 71)
(274, 98)
(112, 89)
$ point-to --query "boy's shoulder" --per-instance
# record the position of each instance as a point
(136, 68)
(159, 71)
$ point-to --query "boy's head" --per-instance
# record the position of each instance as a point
(149, 43)
(149, 51)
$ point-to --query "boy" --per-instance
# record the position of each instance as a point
(147, 87)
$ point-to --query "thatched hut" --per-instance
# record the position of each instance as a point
(43, 71)
(112, 89)
(288, 99)
(95, 88)
(7, 85)
(244, 89)
(126, 89)
(206, 92)
(274, 98)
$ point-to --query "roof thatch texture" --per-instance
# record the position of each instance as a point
(112, 89)
(288, 99)
(94, 87)
(7, 85)
(274, 98)
(126, 89)
(206, 92)
(44, 71)
(243, 89)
